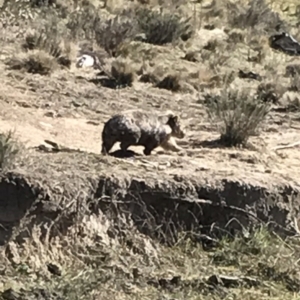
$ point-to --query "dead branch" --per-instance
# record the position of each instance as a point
(286, 146)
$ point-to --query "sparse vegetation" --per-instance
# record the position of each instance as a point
(75, 224)
(161, 28)
(123, 72)
(35, 62)
(43, 52)
(112, 33)
(237, 114)
(256, 14)
(9, 149)
(83, 24)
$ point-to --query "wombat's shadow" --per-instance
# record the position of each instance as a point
(124, 154)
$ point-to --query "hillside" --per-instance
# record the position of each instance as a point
(218, 220)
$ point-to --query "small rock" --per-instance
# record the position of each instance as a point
(50, 114)
(226, 281)
(23, 104)
(76, 104)
(53, 269)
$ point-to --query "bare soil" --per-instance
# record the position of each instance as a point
(206, 189)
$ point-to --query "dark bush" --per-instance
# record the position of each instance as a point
(256, 14)
(83, 23)
(49, 42)
(162, 28)
(112, 33)
(237, 115)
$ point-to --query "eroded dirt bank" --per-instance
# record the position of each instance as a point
(173, 201)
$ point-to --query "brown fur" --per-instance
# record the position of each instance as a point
(142, 129)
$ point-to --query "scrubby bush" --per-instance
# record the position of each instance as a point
(237, 115)
(9, 149)
(35, 62)
(48, 42)
(256, 14)
(123, 72)
(43, 51)
(83, 23)
(161, 28)
(113, 32)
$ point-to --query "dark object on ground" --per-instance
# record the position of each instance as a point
(285, 43)
(267, 92)
(292, 70)
(142, 129)
(170, 82)
(249, 75)
(54, 269)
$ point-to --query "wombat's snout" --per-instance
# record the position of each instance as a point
(182, 134)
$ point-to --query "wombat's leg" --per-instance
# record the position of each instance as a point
(147, 151)
(171, 145)
(125, 145)
(129, 140)
(106, 146)
(149, 148)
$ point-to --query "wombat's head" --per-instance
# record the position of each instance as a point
(177, 130)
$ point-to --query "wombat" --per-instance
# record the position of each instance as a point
(142, 129)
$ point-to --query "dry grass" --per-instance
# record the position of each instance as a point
(112, 33)
(162, 28)
(9, 149)
(35, 62)
(135, 267)
(42, 52)
(123, 72)
(240, 115)
(174, 46)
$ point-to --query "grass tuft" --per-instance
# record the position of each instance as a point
(123, 72)
(49, 42)
(83, 23)
(9, 149)
(35, 62)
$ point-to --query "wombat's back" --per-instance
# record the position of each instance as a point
(133, 127)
